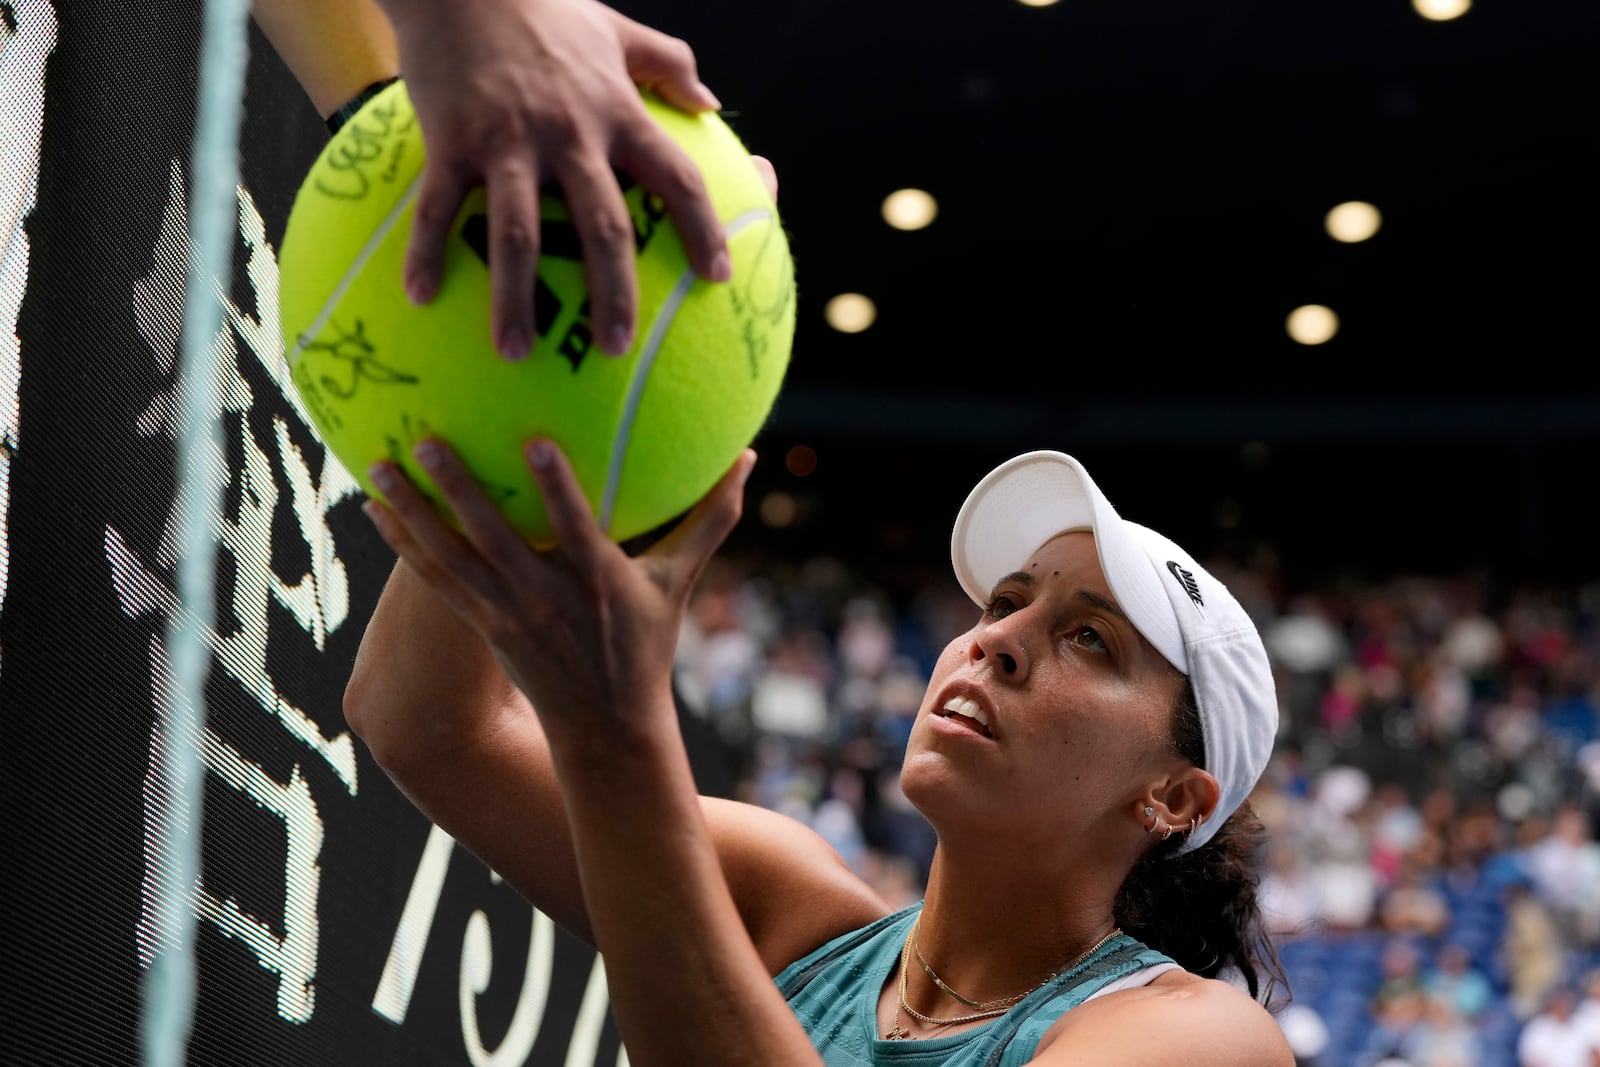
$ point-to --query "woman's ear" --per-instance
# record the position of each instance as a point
(1181, 803)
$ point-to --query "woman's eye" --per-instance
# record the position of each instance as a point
(1088, 637)
(1000, 606)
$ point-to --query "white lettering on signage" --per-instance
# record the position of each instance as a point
(319, 602)
(24, 49)
(393, 996)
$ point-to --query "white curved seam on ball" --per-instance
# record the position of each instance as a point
(356, 266)
(647, 358)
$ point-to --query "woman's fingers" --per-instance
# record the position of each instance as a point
(497, 543)
(439, 553)
(572, 521)
(769, 174)
(693, 541)
(398, 537)
(487, 560)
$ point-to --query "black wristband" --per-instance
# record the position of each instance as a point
(356, 103)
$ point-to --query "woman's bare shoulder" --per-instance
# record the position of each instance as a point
(1179, 1018)
(792, 888)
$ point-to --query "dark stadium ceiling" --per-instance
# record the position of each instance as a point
(1131, 194)
(1131, 202)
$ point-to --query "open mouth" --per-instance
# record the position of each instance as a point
(967, 713)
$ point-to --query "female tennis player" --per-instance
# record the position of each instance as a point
(1084, 752)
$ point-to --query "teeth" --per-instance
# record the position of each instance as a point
(968, 708)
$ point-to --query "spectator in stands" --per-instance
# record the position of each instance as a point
(1337, 847)
(1412, 905)
(720, 650)
(1401, 974)
(1512, 726)
(1443, 700)
(1586, 1016)
(1565, 868)
(1587, 759)
(1343, 702)
(1455, 981)
(1397, 1015)
(1396, 829)
(1552, 1038)
(1290, 895)
(1477, 834)
(1442, 1038)
(1306, 1033)
(1588, 1008)
(1532, 951)
(1440, 810)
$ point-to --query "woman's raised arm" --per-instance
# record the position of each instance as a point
(461, 741)
(450, 729)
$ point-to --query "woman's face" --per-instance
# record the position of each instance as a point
(1051, 716)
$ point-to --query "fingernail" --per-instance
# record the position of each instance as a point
(382, 476)
(721, 266)
(710, 98)
(514, 346)
(618, 340)
(428, 453)
(540, 453)
(418, 288)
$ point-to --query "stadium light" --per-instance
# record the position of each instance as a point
(1312, 324)
(909, 209)
(1441, 10)
(1353, 221)
(850, 312)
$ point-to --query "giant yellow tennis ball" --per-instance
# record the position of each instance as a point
(648, 433)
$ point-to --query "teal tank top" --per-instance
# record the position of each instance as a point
(834, 992)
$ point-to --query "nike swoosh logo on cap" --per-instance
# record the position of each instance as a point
(1186, 579)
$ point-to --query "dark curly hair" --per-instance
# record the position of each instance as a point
(1201, 907)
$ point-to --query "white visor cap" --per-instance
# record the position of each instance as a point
(1184, 612)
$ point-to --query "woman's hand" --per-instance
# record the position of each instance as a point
(516, 94)
(587, 632)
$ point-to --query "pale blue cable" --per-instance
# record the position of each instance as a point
(171, 984)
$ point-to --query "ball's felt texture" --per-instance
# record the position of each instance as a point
(648, 433)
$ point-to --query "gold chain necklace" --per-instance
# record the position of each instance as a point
(940, 982)
(900, 1033)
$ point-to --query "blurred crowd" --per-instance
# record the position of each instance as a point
(1432, 877)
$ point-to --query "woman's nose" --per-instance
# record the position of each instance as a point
(1002, 645)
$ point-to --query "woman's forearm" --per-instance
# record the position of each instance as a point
(449, 728)
(334, 48)
(425, 684)
(686, 983)
(589, 633)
